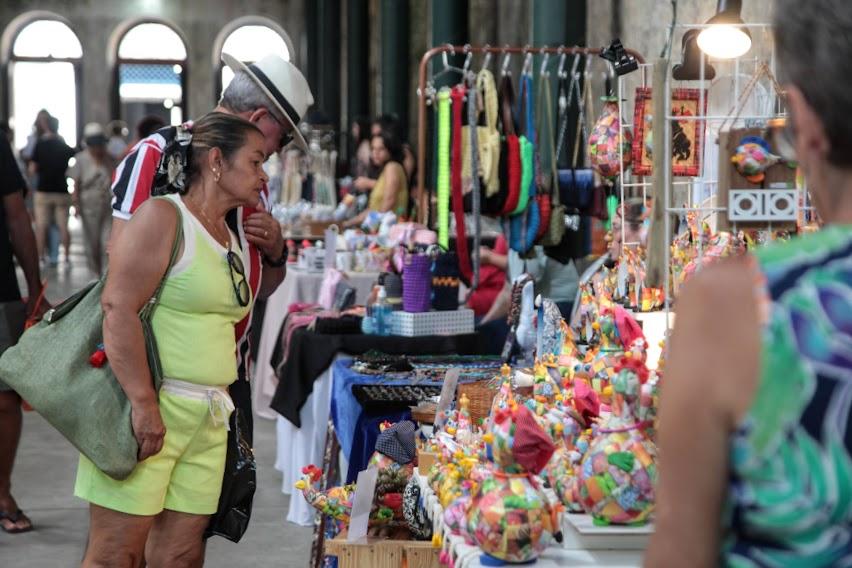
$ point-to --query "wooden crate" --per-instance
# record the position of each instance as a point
(382, 553)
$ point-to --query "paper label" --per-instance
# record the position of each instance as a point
(362, 504)
(448, 394)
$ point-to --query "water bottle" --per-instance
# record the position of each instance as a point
(367, 322)
(381, 313)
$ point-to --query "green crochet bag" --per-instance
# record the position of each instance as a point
(50, 368)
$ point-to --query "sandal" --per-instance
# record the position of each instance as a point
(15, 518)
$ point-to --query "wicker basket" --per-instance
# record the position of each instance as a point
(481, 395)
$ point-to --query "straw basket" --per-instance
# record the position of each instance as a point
(481, 395)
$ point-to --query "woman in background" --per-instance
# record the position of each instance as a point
(390, 193)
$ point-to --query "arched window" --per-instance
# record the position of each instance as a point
(151, 71)
(248, 39)
(44, 67)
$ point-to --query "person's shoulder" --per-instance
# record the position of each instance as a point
(723, 287)
(158, 214)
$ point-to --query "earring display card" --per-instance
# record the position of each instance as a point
(774, 200)
(687, 135)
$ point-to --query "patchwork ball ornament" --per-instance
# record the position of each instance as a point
(753, 157)
(510, 518)
(618, 473)
(608, 149)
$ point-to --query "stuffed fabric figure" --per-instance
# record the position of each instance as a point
(526, 327)
(510, 517)
(619, 472)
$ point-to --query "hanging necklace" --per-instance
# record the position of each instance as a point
(216, 234)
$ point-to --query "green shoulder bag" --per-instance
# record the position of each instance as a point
(50, 368)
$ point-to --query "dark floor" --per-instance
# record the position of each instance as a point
(43, 483)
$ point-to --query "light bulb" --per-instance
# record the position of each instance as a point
(724, 41)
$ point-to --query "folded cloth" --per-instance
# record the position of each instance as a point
(344, 325)
(397, 442)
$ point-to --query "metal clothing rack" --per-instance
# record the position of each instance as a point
(424, 201)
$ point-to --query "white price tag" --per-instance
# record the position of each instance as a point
(362, 504)
(448, 394)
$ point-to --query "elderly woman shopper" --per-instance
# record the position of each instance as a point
(755, 422)
(160, 512)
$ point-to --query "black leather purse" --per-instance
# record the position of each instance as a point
(240, 481)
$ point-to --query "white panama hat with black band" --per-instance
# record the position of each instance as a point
(283, 84)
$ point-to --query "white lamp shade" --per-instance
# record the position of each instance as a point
(723, 41)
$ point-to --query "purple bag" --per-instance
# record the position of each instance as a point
(417, 283)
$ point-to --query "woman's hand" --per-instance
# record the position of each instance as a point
(264, 232)
(148, 428)
(485, 257)
(364, 183)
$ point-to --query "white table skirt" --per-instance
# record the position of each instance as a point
(298, 287)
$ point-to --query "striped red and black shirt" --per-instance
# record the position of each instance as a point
(132, 184)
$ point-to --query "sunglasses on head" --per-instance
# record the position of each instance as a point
(241, 287)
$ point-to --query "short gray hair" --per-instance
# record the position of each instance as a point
(814, 48)
(244, 95)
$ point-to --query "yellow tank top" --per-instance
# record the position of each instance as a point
(198, 309)
(377, 196)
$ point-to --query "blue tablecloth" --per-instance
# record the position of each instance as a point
(345, 408)
(357, 429)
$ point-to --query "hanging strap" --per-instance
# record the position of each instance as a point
(513, 158)
(582, 100)
(443, 158)
(476, 195)
(465, 268)
(547, 139)
(488, 91)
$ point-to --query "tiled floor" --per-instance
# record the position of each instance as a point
(44, 479)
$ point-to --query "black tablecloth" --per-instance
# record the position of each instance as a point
(311, 354)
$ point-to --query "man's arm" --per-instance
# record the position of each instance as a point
(131, 186)
(23, 244)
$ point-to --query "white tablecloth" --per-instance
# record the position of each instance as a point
(298, 287)
(298, 447)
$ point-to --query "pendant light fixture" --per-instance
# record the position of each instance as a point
(726, 37)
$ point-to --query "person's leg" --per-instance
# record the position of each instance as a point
(42, 220)
(10, 434)
(176, 541)
(91, 216)
(63, 205)
(116, 540)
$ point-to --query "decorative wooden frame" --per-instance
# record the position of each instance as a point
(685, 101)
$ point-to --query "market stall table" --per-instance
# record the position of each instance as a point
(304, 395)
(298, 287)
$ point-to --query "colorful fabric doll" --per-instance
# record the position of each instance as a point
(336, 502)
(607, 149)
(618, 473)
(510, 518)
(752, 158)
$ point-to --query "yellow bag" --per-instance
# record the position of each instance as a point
(488, 138)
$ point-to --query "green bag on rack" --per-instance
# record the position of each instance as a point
(51, 368)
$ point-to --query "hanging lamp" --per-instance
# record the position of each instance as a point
(726, 37)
